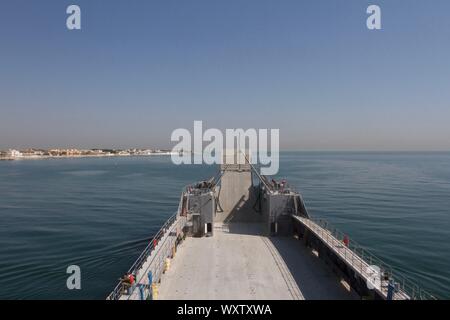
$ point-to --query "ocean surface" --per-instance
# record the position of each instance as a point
(99, 213)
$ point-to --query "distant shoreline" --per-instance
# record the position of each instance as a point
(83, 156)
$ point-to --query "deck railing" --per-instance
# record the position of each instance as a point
(117, 292)
(359, 257)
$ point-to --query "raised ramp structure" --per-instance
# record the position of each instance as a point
(236, 194)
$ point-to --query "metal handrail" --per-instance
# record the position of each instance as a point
(116, 293)
(159, 258)
(358, 253)
(256, 172)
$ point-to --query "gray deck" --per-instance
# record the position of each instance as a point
(357, 263)
(240, 263)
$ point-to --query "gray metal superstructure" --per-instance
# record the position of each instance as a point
(241, 236)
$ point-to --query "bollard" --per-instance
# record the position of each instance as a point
(391, 288)
(141, 291)
(150, 277)
(155, 291)
(167, 264)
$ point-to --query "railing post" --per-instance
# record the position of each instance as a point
(362, 260)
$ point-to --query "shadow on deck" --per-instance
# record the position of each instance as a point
(313, 277)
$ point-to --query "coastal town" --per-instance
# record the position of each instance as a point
(13, 154)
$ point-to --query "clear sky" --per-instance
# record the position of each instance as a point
(140, 69)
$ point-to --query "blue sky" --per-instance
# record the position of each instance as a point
(140, 69)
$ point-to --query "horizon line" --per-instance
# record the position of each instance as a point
(281, 150)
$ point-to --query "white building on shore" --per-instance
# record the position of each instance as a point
(12, 153)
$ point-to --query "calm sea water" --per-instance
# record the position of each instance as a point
(99, 213)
